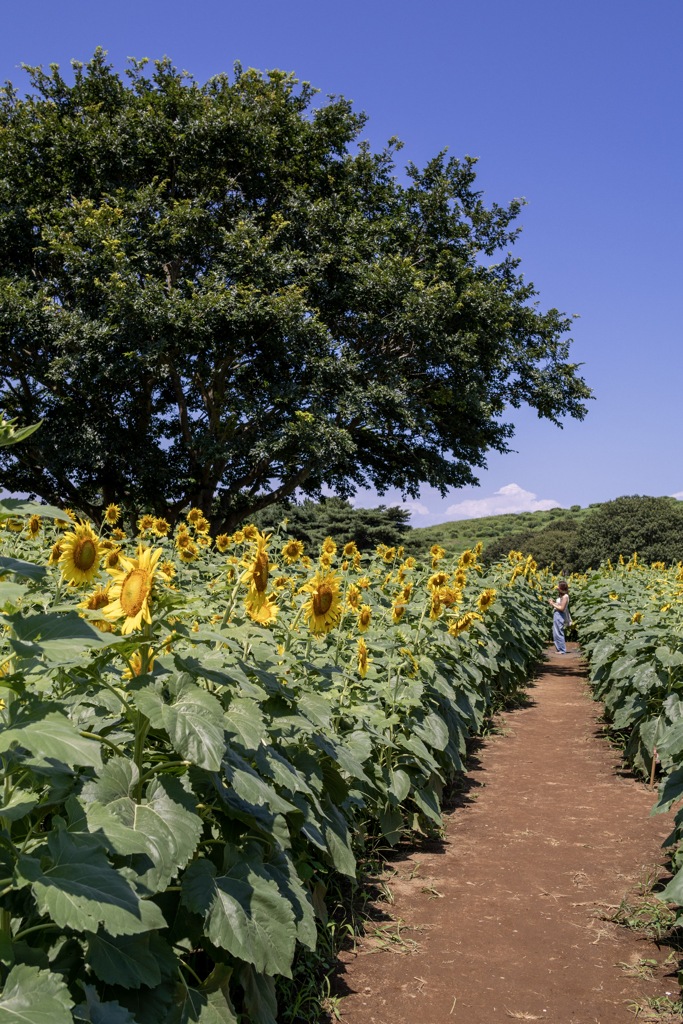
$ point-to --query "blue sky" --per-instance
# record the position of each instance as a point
(574, 106)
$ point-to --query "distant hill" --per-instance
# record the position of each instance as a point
(464, 533)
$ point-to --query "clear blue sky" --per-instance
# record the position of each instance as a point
(574, 106)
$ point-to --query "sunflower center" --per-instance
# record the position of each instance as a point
(322, 600)
(260, 572)
(85, 553)
(134, 591)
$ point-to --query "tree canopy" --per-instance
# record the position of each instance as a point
(218, 295)
(311, 522)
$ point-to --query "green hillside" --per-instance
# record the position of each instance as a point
(464, 533)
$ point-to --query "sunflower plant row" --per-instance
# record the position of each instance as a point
(197, 732)
(630, 622)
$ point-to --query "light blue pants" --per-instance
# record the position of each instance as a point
(558, 632)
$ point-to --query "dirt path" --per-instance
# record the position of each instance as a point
(505, 914)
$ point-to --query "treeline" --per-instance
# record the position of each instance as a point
(570, 542)
(313, 521)
(653, 527)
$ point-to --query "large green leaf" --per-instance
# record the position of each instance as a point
(62, 638)
(129, 960)
(26, 570)
(244, 913)
(196, 1007)
(20, 507)
(164, 824)
(259, 996)
(32, 996)
(79, 889)
(95, 1012)
(53, 736)
(193, 719)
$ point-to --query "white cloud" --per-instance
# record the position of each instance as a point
(511, 498)
(679, 495)
(416, 508)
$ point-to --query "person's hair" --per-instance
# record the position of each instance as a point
(563, 587)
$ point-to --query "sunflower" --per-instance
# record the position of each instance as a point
(363, 658)
(135, 665)
(223, 541)
(409, 563)
(636, 617)
(439, 579)
(183, 540)
(202, 525)
(80, 557)
(238, 537)
(398, 610)
(436, 551)
(411, 660)
(55, 554)
(460, 579)
(34, 526)
(436, 605)
(364, 617)
(93, 602)
(112, 514)
(353, 596)
(161, 527)
(325, 560)
(407, 591)
(467, 559)
(118, 534)
(262, 608)
(168, 570)
(145, 523)
(462, 624)
(131, 589)
(257, 569)
(194, 515)
(112, 558)
(515, 556)
(329, 547)
(189, 552)
(486, 599)
(204, 540)
(451, 595)
(614, 596)
(363, 582)
(350, 549)
(292, 551)
(323, 608)
(478, 548)
(251, 532)
(389, 555)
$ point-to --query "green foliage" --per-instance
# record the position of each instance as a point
(169, 826)
(311, 522)
(220, 295)
(554, 546)
(651, 526)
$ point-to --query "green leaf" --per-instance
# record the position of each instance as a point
(32, 996)
(11, 594)
(79, 889)
(53, 736)
(18, 806)
(95, 1012)
(129, 960)
(195, 1007)
(193, 719)
(259, 996)
(59, 637)
(20, 507)
(164, 824)
(243, 913)
(27, 570)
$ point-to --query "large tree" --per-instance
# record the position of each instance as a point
(218, 295)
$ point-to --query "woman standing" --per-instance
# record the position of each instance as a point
(561, 617)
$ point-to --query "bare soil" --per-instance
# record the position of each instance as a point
(509, 917)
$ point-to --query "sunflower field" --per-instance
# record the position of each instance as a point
(630, 623)
(199, 733)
